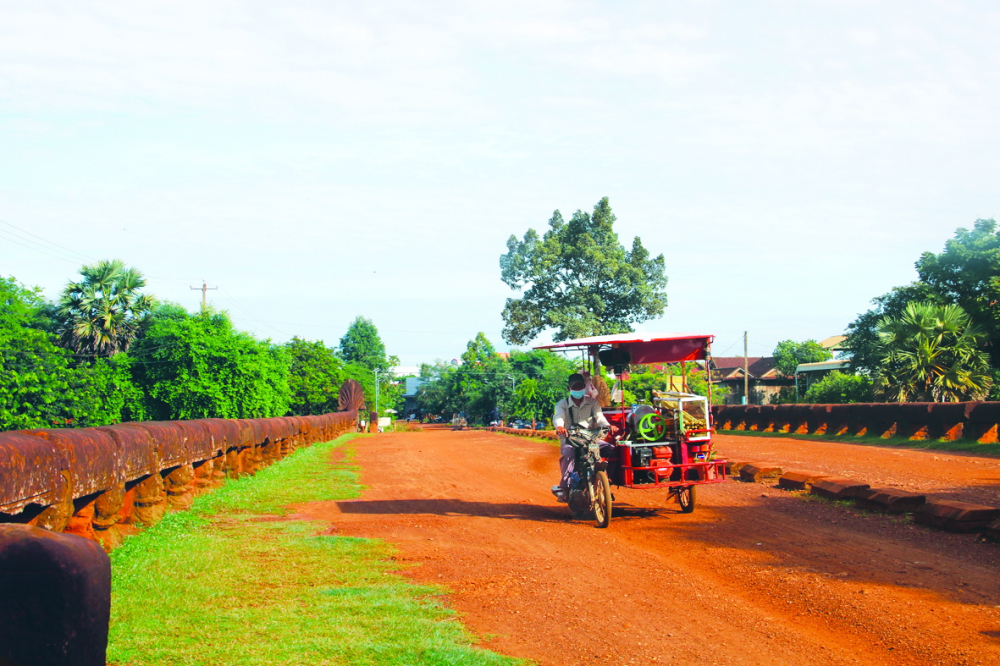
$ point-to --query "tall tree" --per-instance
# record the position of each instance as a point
(932, 352)
(863, 341)
(361, 344)
(101, 313)
(967, 274)
(579, 280)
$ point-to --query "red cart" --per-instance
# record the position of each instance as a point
(666, 442)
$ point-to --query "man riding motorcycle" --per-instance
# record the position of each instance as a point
(580, 410)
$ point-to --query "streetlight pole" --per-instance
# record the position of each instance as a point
(376, 395)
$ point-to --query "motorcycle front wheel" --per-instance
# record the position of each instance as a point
(602, 499)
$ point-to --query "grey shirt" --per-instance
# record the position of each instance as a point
(587, 414)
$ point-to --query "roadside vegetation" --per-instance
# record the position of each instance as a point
(235, 581)
(934, 340)
(107, 352)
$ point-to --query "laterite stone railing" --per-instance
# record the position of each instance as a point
(103, 483)
(977, 421)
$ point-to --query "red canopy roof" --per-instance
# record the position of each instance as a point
(645, 347)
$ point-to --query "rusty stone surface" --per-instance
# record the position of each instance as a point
(81, 523)
(170, 440)
(799, 480)
(759, 472)
(56, 591)
(837, 488)
(94, 457)
(138, 450)
(56, 516)
(733, 467)
(178, 486)
(351, 397)
(108, 507)
(100, 481)
(889, 500)
(198, 441)
(956, 516)
(31, 472)
(149, 501)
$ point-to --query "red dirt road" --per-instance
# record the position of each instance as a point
(754, 576)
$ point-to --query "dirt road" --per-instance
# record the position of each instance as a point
(754, 576)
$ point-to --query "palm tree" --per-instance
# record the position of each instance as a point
(932, 353)
(102, 312)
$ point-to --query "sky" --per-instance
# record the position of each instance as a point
(317, 161)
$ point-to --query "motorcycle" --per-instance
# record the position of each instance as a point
(589, 487)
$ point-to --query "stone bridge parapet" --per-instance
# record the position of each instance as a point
(976, 421)
(103, 483)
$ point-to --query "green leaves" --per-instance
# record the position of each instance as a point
(101, 314)
(789, 354)
(200, 367)
(932, 352)
(839, 388)
(38, 386)
(579, 280)
(362, 345)
(314, 377)
(525, 385)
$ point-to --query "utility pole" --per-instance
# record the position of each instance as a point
(204, 289)
(376, 392)
(746, 372)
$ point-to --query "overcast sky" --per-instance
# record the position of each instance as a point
(322, 160)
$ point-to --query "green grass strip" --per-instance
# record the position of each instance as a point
(217, 585)
(874, 440)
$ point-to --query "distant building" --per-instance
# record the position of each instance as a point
(410, 406)
(728, 371)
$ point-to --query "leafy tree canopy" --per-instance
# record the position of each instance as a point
(314, 377)
(526, 385)
(38, 386)
(789, 354)
(839, 388)
(966, 273)
(102, 313)
(201, 367)
(579, 280)
(362, 345)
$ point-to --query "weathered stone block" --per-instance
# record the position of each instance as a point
(149, 501)
(837, 488)
(733, 467)
(956, 516)
(759, 472)
(56, 592)
(889, 500)
(799, 480)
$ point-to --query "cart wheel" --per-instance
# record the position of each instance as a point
(602, 499)
(685, 497)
